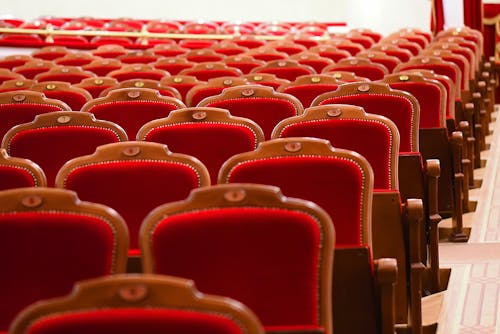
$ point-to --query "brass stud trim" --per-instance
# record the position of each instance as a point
(32, 201)
(235, 195)
(293, 146)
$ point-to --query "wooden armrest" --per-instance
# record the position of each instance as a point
(386, 271)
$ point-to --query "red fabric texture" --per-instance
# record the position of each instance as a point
(51, 147)
(438, 69)
(133, 188)
(318, 65)
(401, 55)
(72, 78)
(397, 109)
(135, 321)
(389, 63)
(429, 98)
(335, 56)
(267, 258)
(370, 139)
(102, 70)
(370, 72)
(205, 92)
(131, 115)
(173, 68)
(266, 112)
(288, 73)
(183, 89)
(332, 183)
(30, 73)
(244, 67)
(15, 114)
(268, 56)
(205, 75)
(307, 93)
(204, 58)
(95, 91)
(137, 75)
(6, 77)
(74, 100)
(138, 59)
(211, 143)
(15, 177)
(44, 253)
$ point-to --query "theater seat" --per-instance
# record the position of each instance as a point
(259, 103)
(221, 225)
(133, 178)
(74, 97)
(138, 304)
(54, 138)
(209, 134)
(285, 69)
(71, 74)
(96, 85)
(132, 107)
(212, 87)
(164, 90)
(19, 107)
(51, 235)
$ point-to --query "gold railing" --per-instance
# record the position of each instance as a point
(144, 35)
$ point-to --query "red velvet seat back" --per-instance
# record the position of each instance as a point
(51, 143)
(138, 71)
(210, 70)
(429, 98)
(132, 112)
(288, 73)
(18, 107)
(71, 74)
(307, 93)
(133, 185)
(213, 87)
(373, 137)
(401, 108)
(288, 263)
(19, 173)
(336, 183)
(46, 247)
(74, 97)
(372, 72)
(258, 103)
(209, 134)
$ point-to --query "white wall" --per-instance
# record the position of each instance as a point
(384, 16)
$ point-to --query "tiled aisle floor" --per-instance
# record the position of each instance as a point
(472, 301)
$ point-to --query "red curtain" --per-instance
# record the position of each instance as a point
(473, 14)
(437, 16)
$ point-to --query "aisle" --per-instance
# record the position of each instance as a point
(471, 303)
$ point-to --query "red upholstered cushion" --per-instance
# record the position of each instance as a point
(101, 70)
(429, 98)
(15, 177)
(131, 115)
(244, 67)
(267, 258)
(133, 188)
(174, 68)
(138, 75)
(95, 91)
(369, 138)
(135, 321)
(372, 73)
(44, 253)
(307, 93)
(31, 72)
(72, 78)
(72, 99)
(52, 147)
(332, 183)
(212, 143)
(183, 89)
(203, 93)
(438, 69)
(204, 75)
(266, 112)
(396, 108)
(318, 65)
(289, 73)
(15, 114)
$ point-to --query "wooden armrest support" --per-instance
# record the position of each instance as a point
(386, 271)
(458, 234)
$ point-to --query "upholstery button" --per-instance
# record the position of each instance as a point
(19, 98)
(134, 94)
(139, 84)
(51, 87)
(363, 88)
(247, 92)
(133, 293)
(178, 80)
(132, 151)
(334, 112)
(63, 119)
(32, 201)
(199, 115)
(293, 147)
(98, 82)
